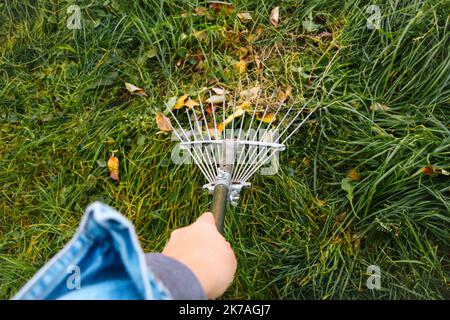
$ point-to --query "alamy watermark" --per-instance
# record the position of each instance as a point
(374, 279)
(74, 279)
(374, 20)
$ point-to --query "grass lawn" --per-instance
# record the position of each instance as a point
(365, 182)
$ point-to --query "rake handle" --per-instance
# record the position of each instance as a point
(219, 205)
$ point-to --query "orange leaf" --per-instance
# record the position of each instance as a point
(163, 122)
(113, 166)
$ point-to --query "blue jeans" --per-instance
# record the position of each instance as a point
(105, 261)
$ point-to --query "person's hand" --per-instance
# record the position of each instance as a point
(206, 252)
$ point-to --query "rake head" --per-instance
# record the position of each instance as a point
(230, 142)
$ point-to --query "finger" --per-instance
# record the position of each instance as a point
(207, 217)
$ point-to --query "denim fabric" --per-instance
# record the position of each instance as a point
(110, 261)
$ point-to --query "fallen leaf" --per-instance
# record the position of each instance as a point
(163, 122)
(191, 103)
(244, 16)
(181, 102)
(185, 101)
(135, 90)
(250, 94)
(274, 16)
(215, 99)
(239, 112)
(200, 11)
(283, 95)
(113, 166)
(201, 36)
(268, 118)
(219, 91)
(246, 105)
(354, 175)
(220, 5)
(378, 107)
(240, 66)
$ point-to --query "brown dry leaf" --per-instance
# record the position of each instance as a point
(354, 175)
(238, 113)
(185, 101)
(113, 166)
(268, 118)
(220, 5)
(240, 66)
(244, 17)
(200, 11)
(284, 95)
(378, 107)
(163, 122)
(274, 16)
(135, 90)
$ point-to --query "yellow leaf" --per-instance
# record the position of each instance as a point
(185, 101)
(268, 118)
(135, 90)
(274, 16)
(180, 102)
(163, 122)
(113, 166)
(240, 66)
(245, 105)
(238, 113)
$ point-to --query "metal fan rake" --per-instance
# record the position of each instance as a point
(228, 158)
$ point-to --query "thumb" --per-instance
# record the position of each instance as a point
(207, 217)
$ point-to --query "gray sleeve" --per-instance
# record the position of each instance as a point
(178, 279)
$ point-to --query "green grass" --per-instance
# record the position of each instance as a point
(64, 110)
